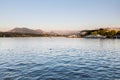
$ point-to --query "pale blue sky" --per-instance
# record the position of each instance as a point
(59, 14)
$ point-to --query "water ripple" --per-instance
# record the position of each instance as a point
(48, 59)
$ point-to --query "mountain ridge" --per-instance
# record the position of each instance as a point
(39, 31)
(26, 30)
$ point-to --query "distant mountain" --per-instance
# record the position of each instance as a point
(26, 30)
(52, 33)
(66, 32)
(39, 31)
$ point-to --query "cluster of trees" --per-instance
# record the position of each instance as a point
(10, 34)
(104, 32)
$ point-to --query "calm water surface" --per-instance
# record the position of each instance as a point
(59, 59)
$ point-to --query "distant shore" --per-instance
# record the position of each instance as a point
(102, 33)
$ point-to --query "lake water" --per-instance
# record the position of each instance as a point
(59, 59)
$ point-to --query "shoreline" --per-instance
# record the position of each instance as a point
(60, 37)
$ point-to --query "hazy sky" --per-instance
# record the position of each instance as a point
(59, 14)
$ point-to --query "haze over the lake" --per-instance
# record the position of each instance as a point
(59, 14)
